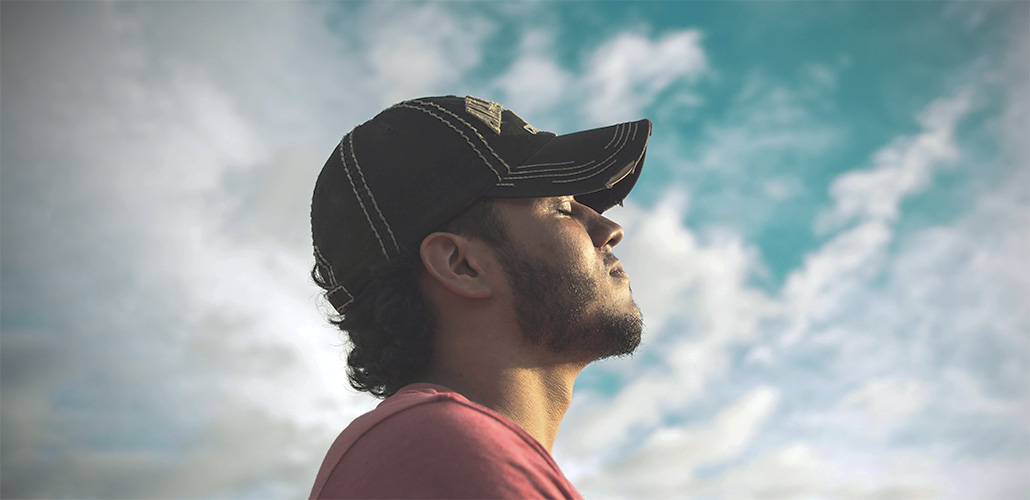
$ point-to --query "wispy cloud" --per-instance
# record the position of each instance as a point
(871, 198)
(887, 343)
(628, 72)
(161, 338)
(899, 169)
(420, 50)
(669, 457)
(535, 81)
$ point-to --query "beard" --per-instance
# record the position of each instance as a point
(556, 309)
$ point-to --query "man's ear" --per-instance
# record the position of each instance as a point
(455, 262)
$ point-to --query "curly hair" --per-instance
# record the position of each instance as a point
(391, 325)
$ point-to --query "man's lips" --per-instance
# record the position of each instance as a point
(614, 266)
(617, 271)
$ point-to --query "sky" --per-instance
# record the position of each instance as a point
(830, 241)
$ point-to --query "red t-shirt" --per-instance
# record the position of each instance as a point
(428, 441)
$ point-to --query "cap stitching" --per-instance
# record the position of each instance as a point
(522, 167)
(364, 210)
(375, 205)
(321, 260)
(618, 131)
(537, 171)
(467, 124)
(601, 165)
(343, 306)
(462, 134)
(563, 181)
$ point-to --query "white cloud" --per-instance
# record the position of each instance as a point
(620, 78)
(628, 72)
(665, 463)
(831, 275)
(951, 295)
(758, 154)
(822, 75)
(696, 302)
(881, 405)
(185, 328)
(803, 470)
(420, 50)
(535, 82)
(160, 273)
(871, 198)
(900, 169)
(782, 188)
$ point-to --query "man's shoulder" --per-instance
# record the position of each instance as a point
(434, 415)
(429, 439)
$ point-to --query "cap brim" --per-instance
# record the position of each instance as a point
(599, 167)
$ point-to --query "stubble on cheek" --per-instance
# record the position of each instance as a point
(565, 311)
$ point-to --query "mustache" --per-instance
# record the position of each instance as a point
(610, 259)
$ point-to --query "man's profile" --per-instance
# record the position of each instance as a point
(467, 258)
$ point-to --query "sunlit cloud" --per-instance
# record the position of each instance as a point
(627, 73)
(161, 337)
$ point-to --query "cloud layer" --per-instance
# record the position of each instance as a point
(160, 337)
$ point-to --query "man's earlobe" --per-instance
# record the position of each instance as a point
(453, 262)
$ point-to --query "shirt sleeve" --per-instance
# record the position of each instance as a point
(446, 450)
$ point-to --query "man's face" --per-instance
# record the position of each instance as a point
(570, 293)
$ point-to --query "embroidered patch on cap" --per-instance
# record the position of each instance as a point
(488, 112)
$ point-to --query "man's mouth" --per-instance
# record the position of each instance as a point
(614, 266)
(618, 272)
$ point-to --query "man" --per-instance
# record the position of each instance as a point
(466, 256)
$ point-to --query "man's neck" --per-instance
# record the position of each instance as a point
(534, 398)
(537, 399)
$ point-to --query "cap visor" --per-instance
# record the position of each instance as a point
(598, 166)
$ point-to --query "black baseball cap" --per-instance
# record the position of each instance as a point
(399, 176)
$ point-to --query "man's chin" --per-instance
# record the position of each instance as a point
(622, 334)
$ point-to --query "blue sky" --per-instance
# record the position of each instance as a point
(829, 241)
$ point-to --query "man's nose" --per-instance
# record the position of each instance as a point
(605, 232)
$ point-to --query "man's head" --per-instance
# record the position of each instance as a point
(469, 167)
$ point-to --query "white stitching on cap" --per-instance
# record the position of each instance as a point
(462, 134)
(521, 167)
(618, 132)
(373, 198)
(364, 210)
(617, 135)
(330, 293)
(467, 124)
(320, 259)
(537, 171)
(581, 178)
(601, 166)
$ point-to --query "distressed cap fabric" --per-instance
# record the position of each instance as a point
(397, 177)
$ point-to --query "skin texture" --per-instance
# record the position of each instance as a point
(517, 324)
